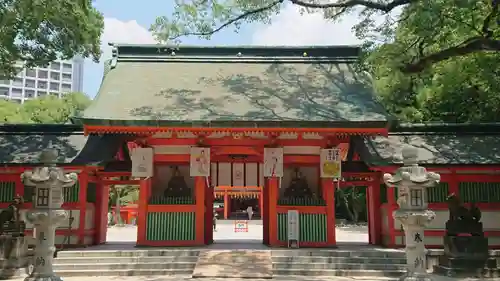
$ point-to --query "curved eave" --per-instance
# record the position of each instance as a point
(199, 130)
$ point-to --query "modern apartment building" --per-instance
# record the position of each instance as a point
(58, 78)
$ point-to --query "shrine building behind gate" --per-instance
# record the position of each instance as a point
(211, 116)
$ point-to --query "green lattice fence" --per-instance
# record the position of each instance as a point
(312, 227)
(436, 194)
(479, 192)
(7, 191)
(71, 193)
(297, 201)
(178, 226)
(162, 200)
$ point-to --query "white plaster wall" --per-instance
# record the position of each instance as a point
(491, 220)
(89, 217)
(243, 174)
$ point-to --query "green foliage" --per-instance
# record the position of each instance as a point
(432, 30)
(460, 89)
(436, 60)
(44, 110)
(37, 32)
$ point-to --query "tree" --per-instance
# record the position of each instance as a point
(462, 89)
(37, 32)
(11, 112)
(50, 109)
(425, 21)
(117, 194)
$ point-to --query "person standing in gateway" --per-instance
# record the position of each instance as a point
(250, 212)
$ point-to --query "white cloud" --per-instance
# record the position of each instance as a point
(115, 31)
(292, 28)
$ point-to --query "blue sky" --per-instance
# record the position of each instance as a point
(127, 21)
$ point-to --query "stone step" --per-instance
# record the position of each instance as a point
(379, 253)
(234, 264)
(317, 259)
(125, 266)
(129, 253)
(130, 259)
(337, 266)
(133, 272)
(337, 272)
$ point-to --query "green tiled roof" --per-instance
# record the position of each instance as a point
(23, 143)
(441, 144)
(151, 85)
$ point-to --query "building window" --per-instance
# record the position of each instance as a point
(54, 86)
(29, 93)
(30, 73)
(55, 75)
(29, 83)
(4, 91)
(67, 77)
(4, 82)
(416, 198)
(66, 88)
(18, 82)
(42, 199)
(42, 85)
(55, 66)
(41, 94)
(54, 94)
(67, 67)
(43, 74)
(16, 93)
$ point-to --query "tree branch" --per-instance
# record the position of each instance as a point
(351, 3)
(470, 46)
(231, 21)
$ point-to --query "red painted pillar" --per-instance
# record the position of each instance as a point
(142, 211)
(272, 185)
(201, 208)
(328, 187)
(392, 206)
(208, 212)
(261, 203)
(226, 205)
(101, 213)
(374, 213)
(453, 184)
(82, 205)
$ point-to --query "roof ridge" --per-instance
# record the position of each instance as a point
(162, 50)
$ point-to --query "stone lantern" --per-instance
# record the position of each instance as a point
(412, 182)
(48, 181)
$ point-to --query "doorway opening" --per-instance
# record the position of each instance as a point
(351, 215)
(121, 216)
(237, 204)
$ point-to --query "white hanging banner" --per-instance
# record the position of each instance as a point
(199, 162)
(142, 162)
(331, 163)
(293, 228)
(273, 162)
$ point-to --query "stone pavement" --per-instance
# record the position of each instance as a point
(288, 278)
(225, 233)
